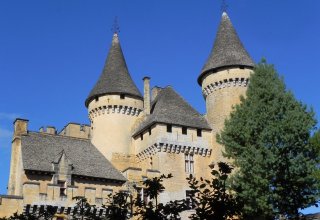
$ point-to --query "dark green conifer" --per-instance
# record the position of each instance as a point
(267, 137)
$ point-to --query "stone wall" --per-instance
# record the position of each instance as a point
(76, 130)
(10, 204)
(222, 91)
(112, 117)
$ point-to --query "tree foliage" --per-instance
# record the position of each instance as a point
(152, 210)
(211, 198)
(267, 136)
(118, 206)
(45, 213)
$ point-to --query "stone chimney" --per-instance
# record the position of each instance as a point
(154, 92)
(48, 130)
(51, 130)
(20, 126)
(146, 95)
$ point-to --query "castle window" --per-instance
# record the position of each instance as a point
(122, 96)
(189, 163)
(184, 130)
(62, 185)
(149, 131)
(142, 196)
(141, 136)
(169, 128)
(96, 98)
(199, 133)
(190, 202)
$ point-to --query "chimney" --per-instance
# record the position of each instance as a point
(51, 130)
(20, 126)
(154, 92)
(146, 95)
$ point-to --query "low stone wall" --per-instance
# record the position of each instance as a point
(10, 204)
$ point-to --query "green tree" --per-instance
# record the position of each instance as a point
(154, 210)
(315, 141)
(118, 206)
(211, 198)
(267, 136)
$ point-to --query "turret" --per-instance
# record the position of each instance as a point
(225, 75)
(114, 105)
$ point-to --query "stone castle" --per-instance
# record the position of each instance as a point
(131, 136)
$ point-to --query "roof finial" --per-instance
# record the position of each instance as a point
(115, 27)
(224, 6)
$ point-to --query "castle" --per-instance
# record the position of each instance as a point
(131, 136)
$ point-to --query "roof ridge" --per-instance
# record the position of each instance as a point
(56, 135)
(171, 108)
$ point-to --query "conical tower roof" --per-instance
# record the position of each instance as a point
(115, 77)
(227, 51)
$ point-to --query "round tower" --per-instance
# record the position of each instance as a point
(225, 75)
(114, 105)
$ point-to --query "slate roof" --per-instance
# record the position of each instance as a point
(40, 150)
(170, 108)
(227, 50)
(115, 77)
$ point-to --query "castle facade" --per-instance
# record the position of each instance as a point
(131, 136)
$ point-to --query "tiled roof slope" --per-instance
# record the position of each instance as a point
(227, 50)
(40, 150)
(170, 108)
(115, 77)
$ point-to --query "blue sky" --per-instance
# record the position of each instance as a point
(52, 52)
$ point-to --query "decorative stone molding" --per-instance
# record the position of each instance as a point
(66, 210)
(231, 82)
(173, 148)
(114, 109)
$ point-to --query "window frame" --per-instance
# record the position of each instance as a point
(189, 163)
(184, 130)
(169, 128)
(199, 132)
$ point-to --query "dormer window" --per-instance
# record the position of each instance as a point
(62, 185)
(184, 130)
(122, 96)
(199, 133)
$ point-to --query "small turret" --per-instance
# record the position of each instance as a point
(113, 105)
(225, 75)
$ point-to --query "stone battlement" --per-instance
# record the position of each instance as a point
(114, 109)
(231, 82)
(171, 147)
